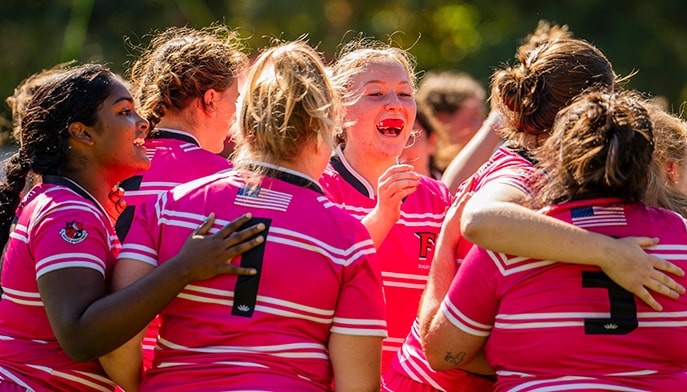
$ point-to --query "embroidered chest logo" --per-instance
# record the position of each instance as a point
(427, 240)
(73, 232)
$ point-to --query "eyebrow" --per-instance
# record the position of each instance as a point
(384, 82)
(120, 99)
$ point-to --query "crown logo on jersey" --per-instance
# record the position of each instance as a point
(243, 308)
(611, 326)
(73, 232)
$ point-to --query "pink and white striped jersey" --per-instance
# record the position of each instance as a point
(175, 158)
(504, 166)
(59, 226)
(559, 326)
(408, 249)
(317, 274)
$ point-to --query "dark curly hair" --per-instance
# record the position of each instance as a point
(74, 96)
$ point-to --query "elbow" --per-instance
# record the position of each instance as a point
(471, 226)
(436, 361)
(80, 348)
(79, 354)
(435, 357)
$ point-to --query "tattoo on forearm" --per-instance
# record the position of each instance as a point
(455, 359)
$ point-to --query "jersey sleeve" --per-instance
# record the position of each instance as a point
(142, 241)
(361, 309)
(522, 177)
(472, 303)
(71, 236)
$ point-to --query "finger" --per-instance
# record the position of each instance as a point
(243, 246)
(645, 296)
(668, 282)
(234, 225)
(646, 242)
(229, 268)
(206, 225)
(667, 266)
(243, 235)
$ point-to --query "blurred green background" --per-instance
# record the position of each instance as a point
(475, 37)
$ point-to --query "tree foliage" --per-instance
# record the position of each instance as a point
(471, 36)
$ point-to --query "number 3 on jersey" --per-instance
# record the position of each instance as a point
(246, 289)
(623, 318)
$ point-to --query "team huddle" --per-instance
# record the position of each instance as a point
(283, 223)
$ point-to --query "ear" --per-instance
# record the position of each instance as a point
(671, 168)
(81, 133)
(209, 98)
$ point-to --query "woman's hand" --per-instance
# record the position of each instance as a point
(206, 255)
(640, 273)
(394, 185)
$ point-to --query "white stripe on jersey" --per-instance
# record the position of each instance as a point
(264, 304)
(80, 378)
(411, 365)
(289, 350)
(507, 265)
(576, 319)
(409, 281)
(66, 205)
(7, 375)
(465, 324)
(71, 260)
(360, 331)
(407, 219)
(22, 297)
(186, 147)
(20, 233)
(231, 363)
(343, 257)
(69, 264)
(140, 253)
(569, 383)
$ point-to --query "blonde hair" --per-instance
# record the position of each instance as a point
(355, 56)
(182, 63)
(288, 103)
(670, 136)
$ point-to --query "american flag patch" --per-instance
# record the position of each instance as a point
(257, 197)
(592, 216)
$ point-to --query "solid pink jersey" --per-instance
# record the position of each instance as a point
(175, 158)
(407, 250)
(59, 226)
(507, 167)
(317, 274)
(559, 326)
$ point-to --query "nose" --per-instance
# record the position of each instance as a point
(393, 102)
(143, 125)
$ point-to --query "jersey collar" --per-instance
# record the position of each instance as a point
(341, 165)
(76, 188)
(168, 133)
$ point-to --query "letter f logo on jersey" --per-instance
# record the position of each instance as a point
(427, 241)
(73, 232)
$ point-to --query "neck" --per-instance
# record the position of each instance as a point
(174, 121)
(100, 187)
(370, 169)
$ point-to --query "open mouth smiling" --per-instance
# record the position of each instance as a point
(390, 127)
